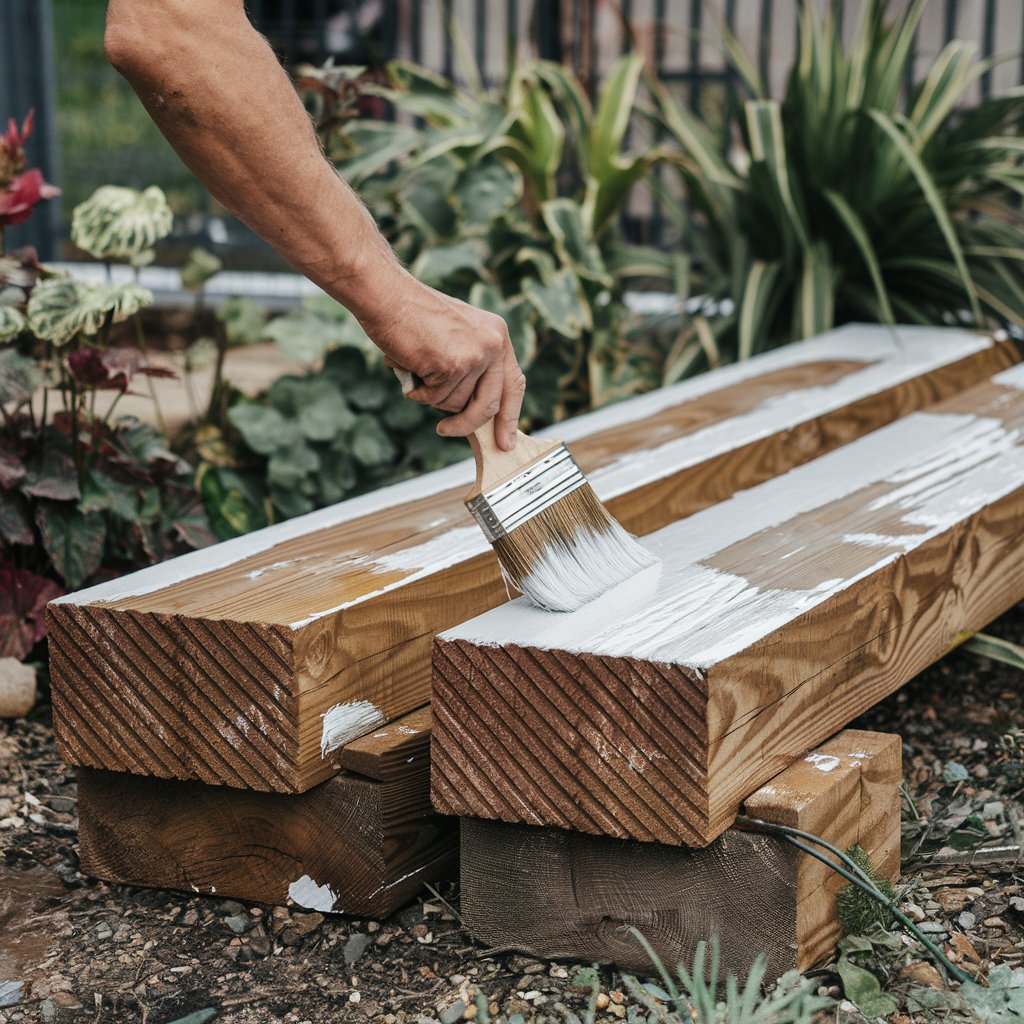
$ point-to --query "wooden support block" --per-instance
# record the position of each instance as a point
(249, 663)
(774, 619)
(551, 892)
(360, 844)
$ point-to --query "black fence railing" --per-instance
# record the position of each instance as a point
(92, 130)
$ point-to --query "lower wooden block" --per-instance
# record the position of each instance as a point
(362, 843)
(552, 892)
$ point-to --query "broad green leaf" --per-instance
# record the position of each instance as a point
(303, 337)
(486, 190)
(575, 245)
(12, 323)
(200, 266)
(862, 988)
(289, 466)
(373, 393)
(19, 378)
(376, 145)
(59, 308)
(325, 416)
(440, 263)
(102, 493)
(403, 415)
(73, 541)
(116, 222)
(262, 427)
(15, 519)
(560, 303)
(52, 474)
(370, 445)
(429, 95)
(337, 474)
(538, 133)
(243, 320)
(231, 503)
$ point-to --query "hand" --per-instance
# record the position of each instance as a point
(461, 355)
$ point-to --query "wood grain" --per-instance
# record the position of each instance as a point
(552, 892)
(776, 618)
(226, 665)
(360, 844)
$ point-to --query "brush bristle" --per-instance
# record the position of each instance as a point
(570, 553)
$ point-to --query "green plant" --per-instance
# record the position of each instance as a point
(695, 994)
(848, 199)
(313, 440)
(858, 913)
(509, 199)
(83, 495)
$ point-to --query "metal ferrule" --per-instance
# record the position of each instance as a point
(500, 511)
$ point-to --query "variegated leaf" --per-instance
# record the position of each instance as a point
(119, 223)
(60, 309)
(12, 323)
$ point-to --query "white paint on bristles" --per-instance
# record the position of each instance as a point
(935, 469)
(305, 892)
(889, 357)
(345, 722)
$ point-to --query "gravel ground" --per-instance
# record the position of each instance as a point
(87, 951)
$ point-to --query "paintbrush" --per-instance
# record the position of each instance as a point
(556, 542)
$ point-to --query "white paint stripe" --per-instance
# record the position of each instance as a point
(918, 351)
(945, 468)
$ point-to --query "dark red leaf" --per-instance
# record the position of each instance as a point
(12, 469)
(52, 476)
(23, 597)
(88, 367)
(15, 520)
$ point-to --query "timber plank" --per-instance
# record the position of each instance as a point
(360, 844)
(249, 664)
(775, 618)
(551, 892)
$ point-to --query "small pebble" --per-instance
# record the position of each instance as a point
(454, 1012)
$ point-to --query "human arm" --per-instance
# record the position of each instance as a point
(217, 92)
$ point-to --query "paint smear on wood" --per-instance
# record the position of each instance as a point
(305, 892)
(345, 722)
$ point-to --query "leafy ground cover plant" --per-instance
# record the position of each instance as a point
(849, 198)
(83, 495)
(509, 198)
(319, 438)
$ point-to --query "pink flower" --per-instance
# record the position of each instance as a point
(22, 194)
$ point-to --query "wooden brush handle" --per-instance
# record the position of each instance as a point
(493, 466)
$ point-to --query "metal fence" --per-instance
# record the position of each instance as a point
(92, 130)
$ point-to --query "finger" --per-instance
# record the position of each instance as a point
(452, 396)
(506, 423)
(484, 406)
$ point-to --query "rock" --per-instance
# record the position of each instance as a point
(914, 912)
(190, 917)
(303, 924)
(966, 920)
(454, 1012)
(11, 992)
(47, 1009)
(922, 973)
(355, 947)
(237, 923)
(17, 688)
(952, 901)
(964, 947)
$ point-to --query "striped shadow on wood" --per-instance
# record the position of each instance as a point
(554, 893)
(250, 663)
(774, 619)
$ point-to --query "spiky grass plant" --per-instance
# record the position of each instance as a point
(849, 199)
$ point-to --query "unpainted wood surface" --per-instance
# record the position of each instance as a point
(359, 844)
(552, 892)
(225, 665)
(775, 619)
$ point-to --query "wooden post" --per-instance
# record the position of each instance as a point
(553, 893)
(362, 843)
(774, 619)
(250, 663)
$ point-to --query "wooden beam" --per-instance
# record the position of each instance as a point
(554, 893)
(774, 619)
(360, 844)
(250, 663)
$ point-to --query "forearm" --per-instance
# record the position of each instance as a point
(216, 90)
